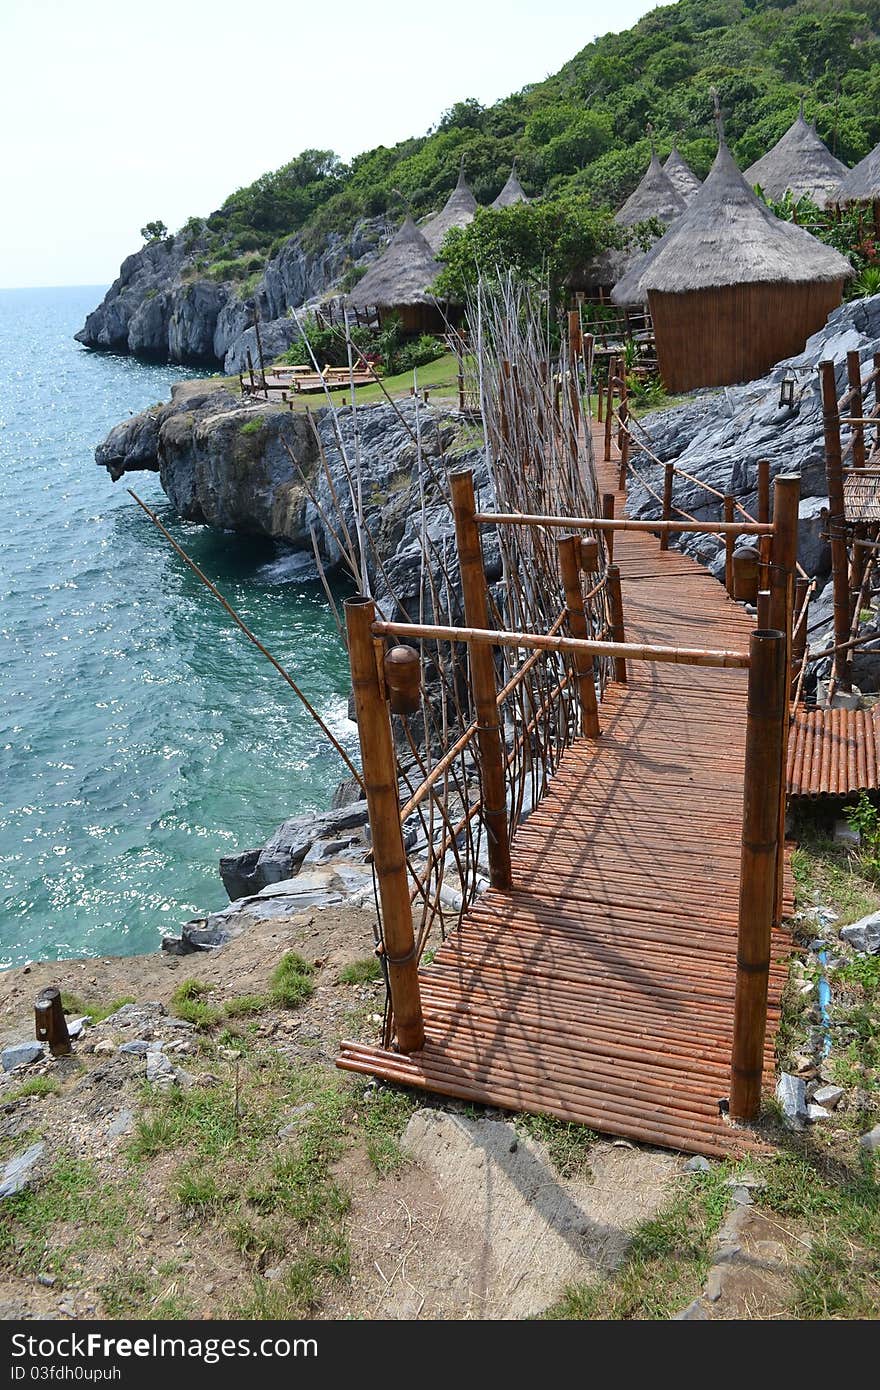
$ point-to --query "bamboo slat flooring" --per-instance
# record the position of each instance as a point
(600, 989)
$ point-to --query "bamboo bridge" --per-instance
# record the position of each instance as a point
(625, 968)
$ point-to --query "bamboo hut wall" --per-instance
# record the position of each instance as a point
(725, 334)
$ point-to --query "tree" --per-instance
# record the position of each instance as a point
(154, 231)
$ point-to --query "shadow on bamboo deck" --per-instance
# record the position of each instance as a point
(600, 988)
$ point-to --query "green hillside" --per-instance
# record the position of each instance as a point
(584, 130)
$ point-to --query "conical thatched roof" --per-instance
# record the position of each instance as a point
(401, 275)
(799, 161)
(861, 183)
(655, 196)
(729, 237)
(511, 193)
(681, 176)
(458, 212)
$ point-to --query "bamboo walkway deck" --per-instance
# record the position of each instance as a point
(600, 989)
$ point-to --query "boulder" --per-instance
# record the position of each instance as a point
(21, 1055)
(245, 874)
(19, 1171)
(791, 1092)
(863, 935)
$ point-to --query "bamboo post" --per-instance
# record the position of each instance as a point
(668, 473)
(877, 398)
(799, 638)
(786, 495)
(764, 517)
(570, 569)
(854, 377)
(608, 513)
(482, 672)
(729, 543)
(50, 1025)
(609, 406)
(574, 349)
(766, 720)
(389, 854)
(763, 605)
(615, 615)
(836, 522)
(623, 444)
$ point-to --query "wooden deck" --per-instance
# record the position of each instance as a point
(600, 989)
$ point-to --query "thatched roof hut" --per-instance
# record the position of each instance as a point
(511, 193)
(681, 176)
(861, 184)
(656, 196)
(731, 288)
(399, 282)
(799, 162)
(458, 212)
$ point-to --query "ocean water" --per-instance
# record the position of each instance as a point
(141, 735)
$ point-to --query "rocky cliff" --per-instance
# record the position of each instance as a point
(163, 306)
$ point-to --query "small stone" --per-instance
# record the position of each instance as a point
(185, 1079)
(21, 1055)
(121, 1124)
(829, 1096)
(741, 1196)
(694, 1312)
(514, 1145)
(104, 1048)
(815, 1113)
(19, 1170)
(713, 1288)
(747, 1179)
(209, 1288)
(159, 1070)
(137, 1048)
(697, 1164)
(47, 1280)
(75, 1026)
(274, 1274)
(791, 1092)
(871, 1140)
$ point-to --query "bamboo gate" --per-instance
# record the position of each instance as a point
(624, 966)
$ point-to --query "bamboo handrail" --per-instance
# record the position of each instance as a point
(601, 523)
(633, 651)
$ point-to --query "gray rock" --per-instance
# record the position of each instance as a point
(864, 935)
(697, 1164)
(828, 1096)
(137, 1048)
(19, 1171)
(76, 1026)
(871, 1140)
(159, 1070)
(814, 547)
(816, 1113)
(791, 1092)
(694, 1312)
(21, 1055)
(121, 1124)
(244, 875)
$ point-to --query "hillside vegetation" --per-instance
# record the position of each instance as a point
(584, 131)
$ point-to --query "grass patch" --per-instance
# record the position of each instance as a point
(568, 1145)
(37, 1086)
(383, 1115)
(188, 1002)
(70, 1191)
(666, 1264)
(830, 874)
(96, 1011)
(291, 981)
(361, 972)
(252, 426)
(243, 1005)
(133, 1294)
(203, 1121)
(199, 1191)
(839, 1276)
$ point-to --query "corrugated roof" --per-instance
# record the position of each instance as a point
(833, 752)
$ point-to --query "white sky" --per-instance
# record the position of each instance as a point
(115, 112)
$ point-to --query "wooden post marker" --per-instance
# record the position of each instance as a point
(608, 513)
(615, 614)
(767, 717)
(668, 472)
(729, 543)
(786, 496)
(389, 854)
(50, 1024)
(483, 684)
(569, 566)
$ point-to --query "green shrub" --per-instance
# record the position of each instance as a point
(187, 1002)
(291, 981)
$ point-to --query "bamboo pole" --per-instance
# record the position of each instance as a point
(569, 548)
(729, 541)
(854, 375)
(608, 522)
(763, 606)
(668, 473)
(623, 443)
(538, 641)
(766, 721)
(764, 516)
(786, 495)
(609, 406)
(799, 631)
(608, 503)
(482, 672)
(836, 521)
(50, 1025)
(615, 614)
(389, 854)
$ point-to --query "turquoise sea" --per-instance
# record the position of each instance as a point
(141, 735)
